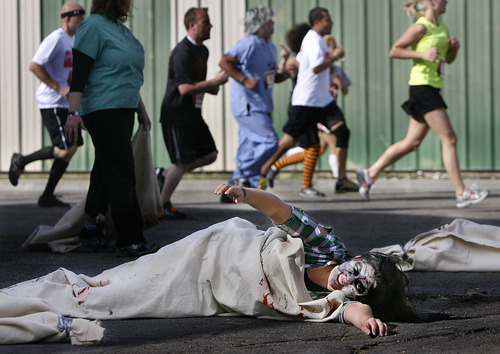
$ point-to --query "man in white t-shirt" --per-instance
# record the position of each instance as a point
(312, 102)
(53, 64)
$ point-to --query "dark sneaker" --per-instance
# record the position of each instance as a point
(310, 193)
(137, 249)
(345, 185)
(159, 177)
(470, 197)
(15, 169)
(51, 201)
(224, 198)
(262, 183)
(171, 213)
(271, 174)
(92, 241)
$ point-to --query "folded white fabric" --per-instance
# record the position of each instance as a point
(462, 246)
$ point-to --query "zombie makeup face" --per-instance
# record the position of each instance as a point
(354, 278)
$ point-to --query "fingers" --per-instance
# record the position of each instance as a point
(233, 191)
(375, 327)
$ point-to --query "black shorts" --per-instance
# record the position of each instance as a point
(423, 99)
(303, 120)
(54, 120)
(188, 142)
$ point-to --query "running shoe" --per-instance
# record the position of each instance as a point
(310, 193)
(51, 201)
(171, 213)
(365, 183)
(345, 185)
(137, 249)
(262, 183)
(271, 174)
(15, 169)
(470, 197)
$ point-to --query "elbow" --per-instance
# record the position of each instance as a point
(223, 64)
(184, 89)
(393, 53)
(33, 67)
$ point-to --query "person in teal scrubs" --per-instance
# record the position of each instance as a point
(104, 97)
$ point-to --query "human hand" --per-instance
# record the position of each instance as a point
(334, 90)
(430, 54)
(221, 78)
(145, 121)
(338, 52)
(285, 53)
(71, 128)
(251, 82)
(235, 192)
(214, 90)
(142, 116)
(64, 91)
(375, 327)
(454, 44)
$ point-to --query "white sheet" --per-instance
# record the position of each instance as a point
(63, 236)
(462, 246)
(229, 268)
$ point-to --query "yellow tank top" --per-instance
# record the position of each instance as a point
(425, 72)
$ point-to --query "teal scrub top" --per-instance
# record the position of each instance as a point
(116, 75)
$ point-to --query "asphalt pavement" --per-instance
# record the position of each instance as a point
(459, 312)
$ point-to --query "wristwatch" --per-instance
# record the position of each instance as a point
(73, 113)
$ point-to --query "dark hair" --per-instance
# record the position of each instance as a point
(190, 15)
(316, 14)
(116, 10)
(295, 35)
(388, 300)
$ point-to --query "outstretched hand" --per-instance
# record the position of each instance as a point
(375, 327)
(235, 192)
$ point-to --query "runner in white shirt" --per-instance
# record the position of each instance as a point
(52, 64)
(312, 102)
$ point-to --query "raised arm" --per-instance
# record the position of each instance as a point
(269, 204)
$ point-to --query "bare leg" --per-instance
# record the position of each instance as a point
(174, 174)
(285, 143)
(341, 161)
(440, 123)
(330, 140)
(340, 152)
(414, 137)
(65, 155)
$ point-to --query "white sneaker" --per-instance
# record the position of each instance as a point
(365, 183)
(310, 193)
(470, 197)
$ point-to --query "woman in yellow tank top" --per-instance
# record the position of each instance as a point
(427, 43)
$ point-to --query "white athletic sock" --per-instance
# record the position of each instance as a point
(332, 161)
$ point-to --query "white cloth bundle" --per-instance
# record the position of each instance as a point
(228, 268)
(63, 236)
(460, 246)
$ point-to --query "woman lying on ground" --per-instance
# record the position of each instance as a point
(297, 270)
(372, 283)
